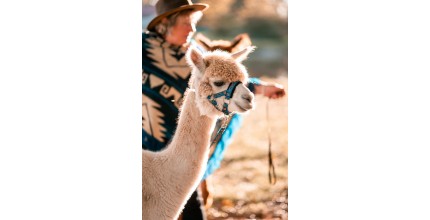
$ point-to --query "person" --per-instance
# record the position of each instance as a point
(165, 75)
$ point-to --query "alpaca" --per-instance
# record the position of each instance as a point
(238, 43)
(170, 176)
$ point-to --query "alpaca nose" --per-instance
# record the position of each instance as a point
(247, 97)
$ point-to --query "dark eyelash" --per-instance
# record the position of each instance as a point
(219, 83)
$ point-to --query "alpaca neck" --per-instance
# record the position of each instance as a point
(189, 150)
(192, 135)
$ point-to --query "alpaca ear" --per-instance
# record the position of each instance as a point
(203, 40)
(195, 58)
(239, 42)
(243, 54)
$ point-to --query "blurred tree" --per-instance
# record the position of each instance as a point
(262, 19)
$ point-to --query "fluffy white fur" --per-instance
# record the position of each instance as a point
(169, 177)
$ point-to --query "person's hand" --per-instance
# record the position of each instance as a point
(271, 90)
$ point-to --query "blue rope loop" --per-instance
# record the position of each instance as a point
(227, 93)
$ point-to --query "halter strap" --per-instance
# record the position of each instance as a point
(227, 93)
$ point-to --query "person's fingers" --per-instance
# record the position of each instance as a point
(277, 93)
(281, 92)
(274, 96)
(274, 91)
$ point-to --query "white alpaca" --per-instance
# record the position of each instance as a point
(169, 177)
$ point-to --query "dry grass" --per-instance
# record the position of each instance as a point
(241, 187)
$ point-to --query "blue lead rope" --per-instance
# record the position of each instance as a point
(225, 140)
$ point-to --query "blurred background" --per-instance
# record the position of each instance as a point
(240, 188)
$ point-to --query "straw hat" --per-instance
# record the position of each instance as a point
(165, 8)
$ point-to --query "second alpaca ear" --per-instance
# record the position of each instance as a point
(243, 54)
(195, 58)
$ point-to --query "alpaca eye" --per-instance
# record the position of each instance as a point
(219, 83)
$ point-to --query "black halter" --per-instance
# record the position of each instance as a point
(227, 93)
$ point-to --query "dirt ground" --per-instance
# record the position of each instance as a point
(241, 187)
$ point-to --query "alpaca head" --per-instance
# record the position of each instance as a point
(220, 79)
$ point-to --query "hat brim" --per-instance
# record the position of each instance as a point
(195, 7)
